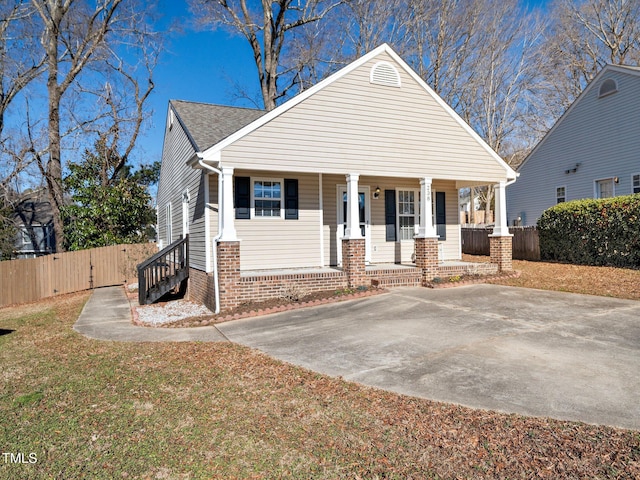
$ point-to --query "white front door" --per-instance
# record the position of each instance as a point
(365, 219)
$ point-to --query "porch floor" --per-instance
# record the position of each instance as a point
(447, 266)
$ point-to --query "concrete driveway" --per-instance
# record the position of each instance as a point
(551, 354)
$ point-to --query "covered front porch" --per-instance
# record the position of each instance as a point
(353, 247)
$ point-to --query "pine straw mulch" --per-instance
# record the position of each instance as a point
(563, 277)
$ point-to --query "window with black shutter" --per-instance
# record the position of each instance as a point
(441, 215)
(290, 199)
(242, 197)
(390, 214)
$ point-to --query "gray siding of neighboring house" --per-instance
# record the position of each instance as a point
(175, 178)
(601, 134)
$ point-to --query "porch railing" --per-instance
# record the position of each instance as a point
(162, 272)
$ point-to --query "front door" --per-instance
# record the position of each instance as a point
(365, 220)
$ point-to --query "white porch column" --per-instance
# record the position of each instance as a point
(427, 228)
(353, 208)
(501, 229)
(228, 229)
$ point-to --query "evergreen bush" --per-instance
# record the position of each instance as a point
(592, 232)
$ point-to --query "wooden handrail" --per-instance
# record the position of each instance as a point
(163, 271)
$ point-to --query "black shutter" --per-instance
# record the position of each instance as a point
(242, 197)
(290, 199)
(390, 214)
(441, 215)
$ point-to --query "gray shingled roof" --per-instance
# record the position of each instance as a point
(208, 124)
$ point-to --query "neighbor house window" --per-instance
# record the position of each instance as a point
(561, 194)
(267, 198)
(604, 188)
(407, 213)
(635, 184)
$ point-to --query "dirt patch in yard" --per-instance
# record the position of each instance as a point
(563, 277)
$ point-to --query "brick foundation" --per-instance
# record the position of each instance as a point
(501, 252)
(353, 262)
(427, 258)
(264, 287)
(201, 288)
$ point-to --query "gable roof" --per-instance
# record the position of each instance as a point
(628, 69)
(32, 208)
(207, 124)
(213, 153)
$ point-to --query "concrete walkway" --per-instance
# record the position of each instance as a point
(107, 316)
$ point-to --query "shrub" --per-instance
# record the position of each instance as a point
(592, 232)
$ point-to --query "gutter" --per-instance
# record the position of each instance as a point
(216, 281)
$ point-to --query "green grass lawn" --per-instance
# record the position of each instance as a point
(89, 409)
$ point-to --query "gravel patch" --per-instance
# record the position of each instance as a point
(170, 312)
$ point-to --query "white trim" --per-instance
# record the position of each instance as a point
(340, 229)
(596, 191)
(321, 218)
(416, 215)
(168, 223)
(501, 228)
(186, 200)
(228, 229)
(213, 152)
(252, 181)
(208, 264)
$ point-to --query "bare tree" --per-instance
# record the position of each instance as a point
(266, 25)
(20, 64)
(80, 43)
(584, 36)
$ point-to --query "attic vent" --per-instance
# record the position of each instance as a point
(608, 87)
(383, 73)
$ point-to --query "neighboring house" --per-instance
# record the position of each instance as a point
(360, 172)
(593, 150)
(34, 222)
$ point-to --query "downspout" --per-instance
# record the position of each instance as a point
(216, 284)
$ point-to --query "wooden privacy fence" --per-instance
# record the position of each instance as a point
(31, 279)
(526, 244)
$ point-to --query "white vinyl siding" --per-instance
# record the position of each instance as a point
(276, 242)
(354, 126)
(597, 138)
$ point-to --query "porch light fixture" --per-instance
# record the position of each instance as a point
(376, 194)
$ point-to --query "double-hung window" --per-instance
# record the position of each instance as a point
(267, 198)
(604, 188)
(407, 213)
(635, 183)
(561, 194)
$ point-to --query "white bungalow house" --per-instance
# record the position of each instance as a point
(351, 182)
(591, 151)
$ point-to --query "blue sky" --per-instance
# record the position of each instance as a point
(198, 66)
